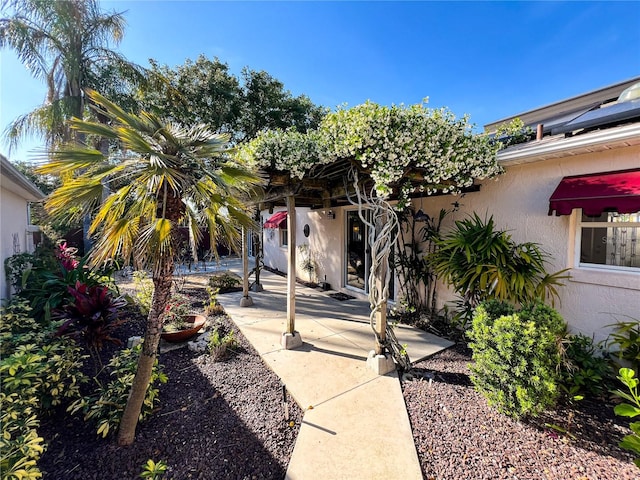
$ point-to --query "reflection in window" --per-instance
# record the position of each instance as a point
(610, 239)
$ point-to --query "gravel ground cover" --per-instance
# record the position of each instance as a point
(226, 421)
(458, 436)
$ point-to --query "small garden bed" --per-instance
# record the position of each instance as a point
(214, 420)
(458, 435)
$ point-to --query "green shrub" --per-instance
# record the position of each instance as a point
(41, 371)
(153, 470)
(624, 343)
(631, 410)
(144, 290)
(516, 356)
(584, 369)
(106, 406)
(221, 342)
(224, 282)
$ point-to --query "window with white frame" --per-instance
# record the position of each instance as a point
(284, 235)
(609, 241)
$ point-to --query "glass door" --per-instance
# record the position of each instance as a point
(357, 252)
(358, 261)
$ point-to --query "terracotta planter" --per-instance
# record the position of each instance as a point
(187, 333)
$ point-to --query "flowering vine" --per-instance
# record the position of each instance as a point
(409, 148)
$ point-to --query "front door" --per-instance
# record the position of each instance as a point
(357, 252)
(358, 261)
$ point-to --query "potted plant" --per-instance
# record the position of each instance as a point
(180, 323)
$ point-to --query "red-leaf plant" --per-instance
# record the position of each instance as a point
(92, 315)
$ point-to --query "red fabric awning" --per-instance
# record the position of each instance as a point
(277, 220)
(597, 193)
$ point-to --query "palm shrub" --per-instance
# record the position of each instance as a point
(516, 356)
(161, 176)
(483, 263)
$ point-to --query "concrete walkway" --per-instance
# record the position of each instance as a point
(355, 423)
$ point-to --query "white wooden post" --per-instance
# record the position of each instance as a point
(246, 300)
(291, 339)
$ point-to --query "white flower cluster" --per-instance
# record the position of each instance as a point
(430, 148)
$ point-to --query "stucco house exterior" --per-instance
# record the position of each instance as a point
(16, 233)
(585, 159)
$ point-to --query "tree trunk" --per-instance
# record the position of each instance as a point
(161, 294)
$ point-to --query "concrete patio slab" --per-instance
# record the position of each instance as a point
(355, 424)
(360, 434)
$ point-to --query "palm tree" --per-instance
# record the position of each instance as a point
(65, 43)
(166, 176)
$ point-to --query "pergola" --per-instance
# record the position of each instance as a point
(367, 156)
(327, 186)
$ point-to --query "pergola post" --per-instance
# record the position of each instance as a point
(246, 300)
(379, 360)
(258, 253)
(381, 314)
(290, 338)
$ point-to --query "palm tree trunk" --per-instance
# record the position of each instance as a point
(162, 280)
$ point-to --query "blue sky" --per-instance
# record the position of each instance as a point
(486, 59)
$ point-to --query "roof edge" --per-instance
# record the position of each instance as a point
(535, 151)
(8, 170)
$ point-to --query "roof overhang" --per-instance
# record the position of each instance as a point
(561, 146)
(11, 179)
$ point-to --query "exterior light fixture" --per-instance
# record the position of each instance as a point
(420, 216)
(331, 214)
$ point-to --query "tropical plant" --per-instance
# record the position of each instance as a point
(153, 470)
(106, 406)
(482, 263)
(632, 409)
(165, 177)
(46, 280)
(624, 343)
(37, 372)
(516, 356)
(66, 44)
(93, 315)
(415, 273)
(585, 370)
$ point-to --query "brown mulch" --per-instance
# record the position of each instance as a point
(458, 436)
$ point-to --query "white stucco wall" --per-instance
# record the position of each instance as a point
(324, 242)
(519, 202)
(13, 220)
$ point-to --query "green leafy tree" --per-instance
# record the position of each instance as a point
(172, 176)
(204, 91)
